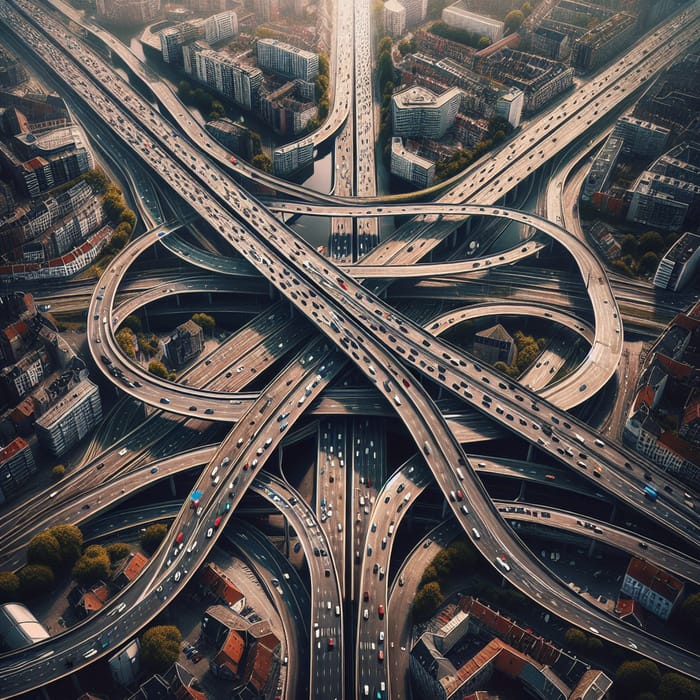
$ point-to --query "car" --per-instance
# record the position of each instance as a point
(380, 655)
(380, 611)
(208, 411)
(193, 408)
(331, 642)
(217, 522)
(365, 614)
(154, 470)
(210, 533)
(365, 596)
(164, 400)
(178, 576)
(180, 537)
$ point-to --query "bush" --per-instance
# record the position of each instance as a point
(154, 535)
(117, 551)
(44, 549)
(93, 566)
(35, 580)
(673, 686)
(426, 601)
(634, 677)
(58, 472)
(70, 539)
(160, 647)
(9, 586)
(159, 369)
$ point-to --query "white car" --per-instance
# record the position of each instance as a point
(178, 576)
(210, 532)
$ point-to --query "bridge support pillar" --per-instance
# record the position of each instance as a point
(171, 483)
(521, 494)
(286, 538)
(591, 549)
(271, 291)
(530, 453)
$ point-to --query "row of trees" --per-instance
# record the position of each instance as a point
(642, 680)
(457, 559)
(322, 96)
(385, 79)
(49, 553)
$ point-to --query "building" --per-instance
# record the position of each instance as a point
(509, 106)
(458, 16)
(680, 263)
(266, 10)
(19, 628)
(125, 665)
(466, 644)
(221, 26)
(18, 379)
(655, 589)
(662, 202)
(420, 172)
(416, 11)
(495, 345)
(217, 582)
(287, 110)
(234, 136)
(16, 467)
(128, 11)
(550, 43)
(176, 682)
(641, 139)
(419, 113)
(293, 157)
(598, 45)
(287, 60)
(690, 425)
(184, 343)
(602, 168)
(85, 602)
(129, 568)
(394, 17)
(71, 419)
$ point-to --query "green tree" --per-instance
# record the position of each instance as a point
(629, 245)
(430, 574)
(513, 20)
(133, 322)
(688, 614)
(673, 686)
(70, 540)
(576, 638)
(648, 263)
(44, 549)
(9, 586)
(158, 369)
(204, 321)
(58, 472)
(633, 677)
(153, 536)
(651, 242)
(483, 42)
(93, 566)
(117, 551)
(160, 647)
(263, 162)
(426, 601)
(35, 580)
(127, 342)
(526, 9)
(127, 216)
(442, 562)
(97, 180)
(384, 44)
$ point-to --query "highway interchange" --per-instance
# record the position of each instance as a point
(383, 345)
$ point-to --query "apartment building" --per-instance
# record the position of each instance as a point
(420, 172)
(287, 60)
(16, 467)
(419, 113)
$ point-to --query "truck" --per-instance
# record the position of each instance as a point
(194, 499)
(650, 493)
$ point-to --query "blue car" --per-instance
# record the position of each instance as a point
(154, 470)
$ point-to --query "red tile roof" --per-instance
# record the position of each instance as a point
(136, 563)
(659, 581)
(12, 448)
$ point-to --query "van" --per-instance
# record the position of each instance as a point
(216, 481)
(362, 500)
(579, 438)
(476, 534)
(365, 690)
(329, 605)
(213, 472)
(407, 497)
(460, 474)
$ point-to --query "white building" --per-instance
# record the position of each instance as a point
(410, 166)
(416, 11)
(656, 590)
(287, 60)
(295, 156)
(510, 106)
(460, 17)
(221, 26)
(419, 113)
(71, 419)
(680, 263)
(394, 15)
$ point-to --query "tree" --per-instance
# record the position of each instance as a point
(688, 615)
(97, 180)
(673, 686)
(35, 579)
(633, 677)
(160, 647)
(158, 369)
(513, 20)
(133, 322)
(58, 472)
(128, 217)
(117, 551)
(483, 42)
(430, 574)
(648, 263)
(127, 342)
(426, 600)
(526, 9)
(153, 536)
(575, 638)
(44, 549)
(651, 241)
(9, 586)
(70, 540)
(263, 162)
(92, 566)
(629, 245)
(204, 321)
(442, 562)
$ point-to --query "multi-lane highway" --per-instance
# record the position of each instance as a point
(384, 346)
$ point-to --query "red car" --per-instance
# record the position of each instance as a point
(406, 383)
(217, 522)
(179, 538)
(380, 655)
(365, 595)
(380, 610)
(460, 495)
(330, 642)
(245, 467)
